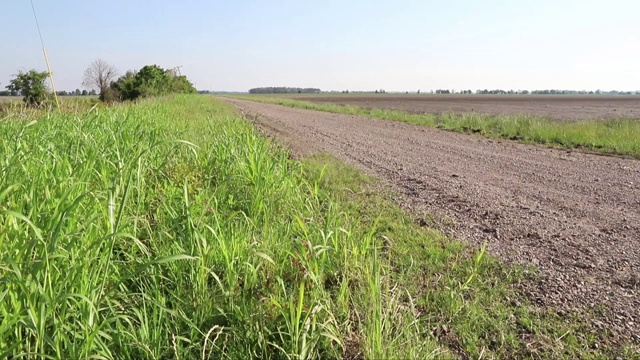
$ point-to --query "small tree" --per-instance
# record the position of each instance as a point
(99, 76)
(31, 85)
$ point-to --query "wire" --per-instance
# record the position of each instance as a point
(37, 23)
(46, 58)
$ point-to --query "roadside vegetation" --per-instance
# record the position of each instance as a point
(101, 78)
(149, 81)
(618, 137)
(169, 228)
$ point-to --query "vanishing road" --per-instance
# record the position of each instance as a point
(574, 216)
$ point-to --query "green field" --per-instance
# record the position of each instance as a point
(170, 228)
(619, 137)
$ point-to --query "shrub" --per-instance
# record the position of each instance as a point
(31, 86)
(151, 80)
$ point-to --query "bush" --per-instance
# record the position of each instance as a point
(151, 80)
(31, 86)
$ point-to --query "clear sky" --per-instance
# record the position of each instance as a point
(336, 44)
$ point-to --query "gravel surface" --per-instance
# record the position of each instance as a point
(574, 216)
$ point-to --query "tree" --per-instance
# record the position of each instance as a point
(98, 76)
(31, 86)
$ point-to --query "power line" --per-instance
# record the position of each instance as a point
(37, 23)
(46, 58)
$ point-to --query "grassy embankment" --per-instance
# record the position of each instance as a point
(171, 229)
(618, 137)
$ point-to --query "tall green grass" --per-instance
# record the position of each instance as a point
(172, 230)
(603, 136)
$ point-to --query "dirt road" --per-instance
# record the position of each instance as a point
(575, 216)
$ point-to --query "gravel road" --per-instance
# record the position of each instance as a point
(574, 216)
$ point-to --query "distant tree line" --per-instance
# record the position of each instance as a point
(496, 91)
(283, 90)
(583, 92)
(77, 92)
(503, 92)
(440, 91)
(557, 92)
(537, 92)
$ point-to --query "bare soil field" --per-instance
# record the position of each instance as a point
(574, 216)
(564, 107)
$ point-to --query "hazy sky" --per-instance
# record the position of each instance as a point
(336, 44)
